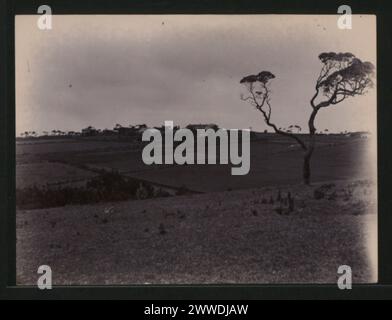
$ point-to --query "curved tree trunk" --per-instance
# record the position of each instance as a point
(306, 171)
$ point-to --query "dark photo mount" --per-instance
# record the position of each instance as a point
(14, 198)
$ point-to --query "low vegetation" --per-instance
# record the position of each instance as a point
(106, 187)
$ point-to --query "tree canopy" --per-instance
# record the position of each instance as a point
(342, 75)
(263, 77)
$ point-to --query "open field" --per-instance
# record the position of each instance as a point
(225, 237)
(42, 173)
(274, 161)
(234, 231)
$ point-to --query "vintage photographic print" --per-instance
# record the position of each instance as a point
(196, 149)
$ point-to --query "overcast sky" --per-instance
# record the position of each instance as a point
(103, 70)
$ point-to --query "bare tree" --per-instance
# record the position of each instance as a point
(342, 75)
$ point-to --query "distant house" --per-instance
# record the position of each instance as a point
(108, 132)
(117, 128)
(131, 130)
(194, 127)
(89, 131)
(126, 131)
(140, 128)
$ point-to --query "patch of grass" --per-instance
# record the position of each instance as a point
(324, 190)
(106, 187)
(183, 190)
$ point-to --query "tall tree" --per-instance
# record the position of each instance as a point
(342, 75)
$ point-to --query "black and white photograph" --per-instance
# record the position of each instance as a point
(196, 149)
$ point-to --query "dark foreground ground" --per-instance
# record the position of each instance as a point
(235, 231)
(225, 237)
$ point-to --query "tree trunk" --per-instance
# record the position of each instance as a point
(306, 168)
(309, 152)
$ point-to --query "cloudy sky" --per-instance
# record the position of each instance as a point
(130, 69)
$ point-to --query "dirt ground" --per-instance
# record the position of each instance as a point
(220, 237)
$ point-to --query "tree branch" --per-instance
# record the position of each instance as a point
(267, 115)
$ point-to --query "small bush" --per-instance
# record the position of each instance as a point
(279, 196)
(160, 193)
(279, 210)
(162, 229)
(142, 192)
(182, 190)
(291, 204)
(318, 194)
(107, 186)
(325, 191)
(328, 186)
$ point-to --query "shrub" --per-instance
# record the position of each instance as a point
(291, 204)
(182, 190)
(160, 193)
(112, 186)
(107, 186)
(162, 229)
(327, 186)
(142, 192)
(279, 210)
(279, 196)
(318, 194)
